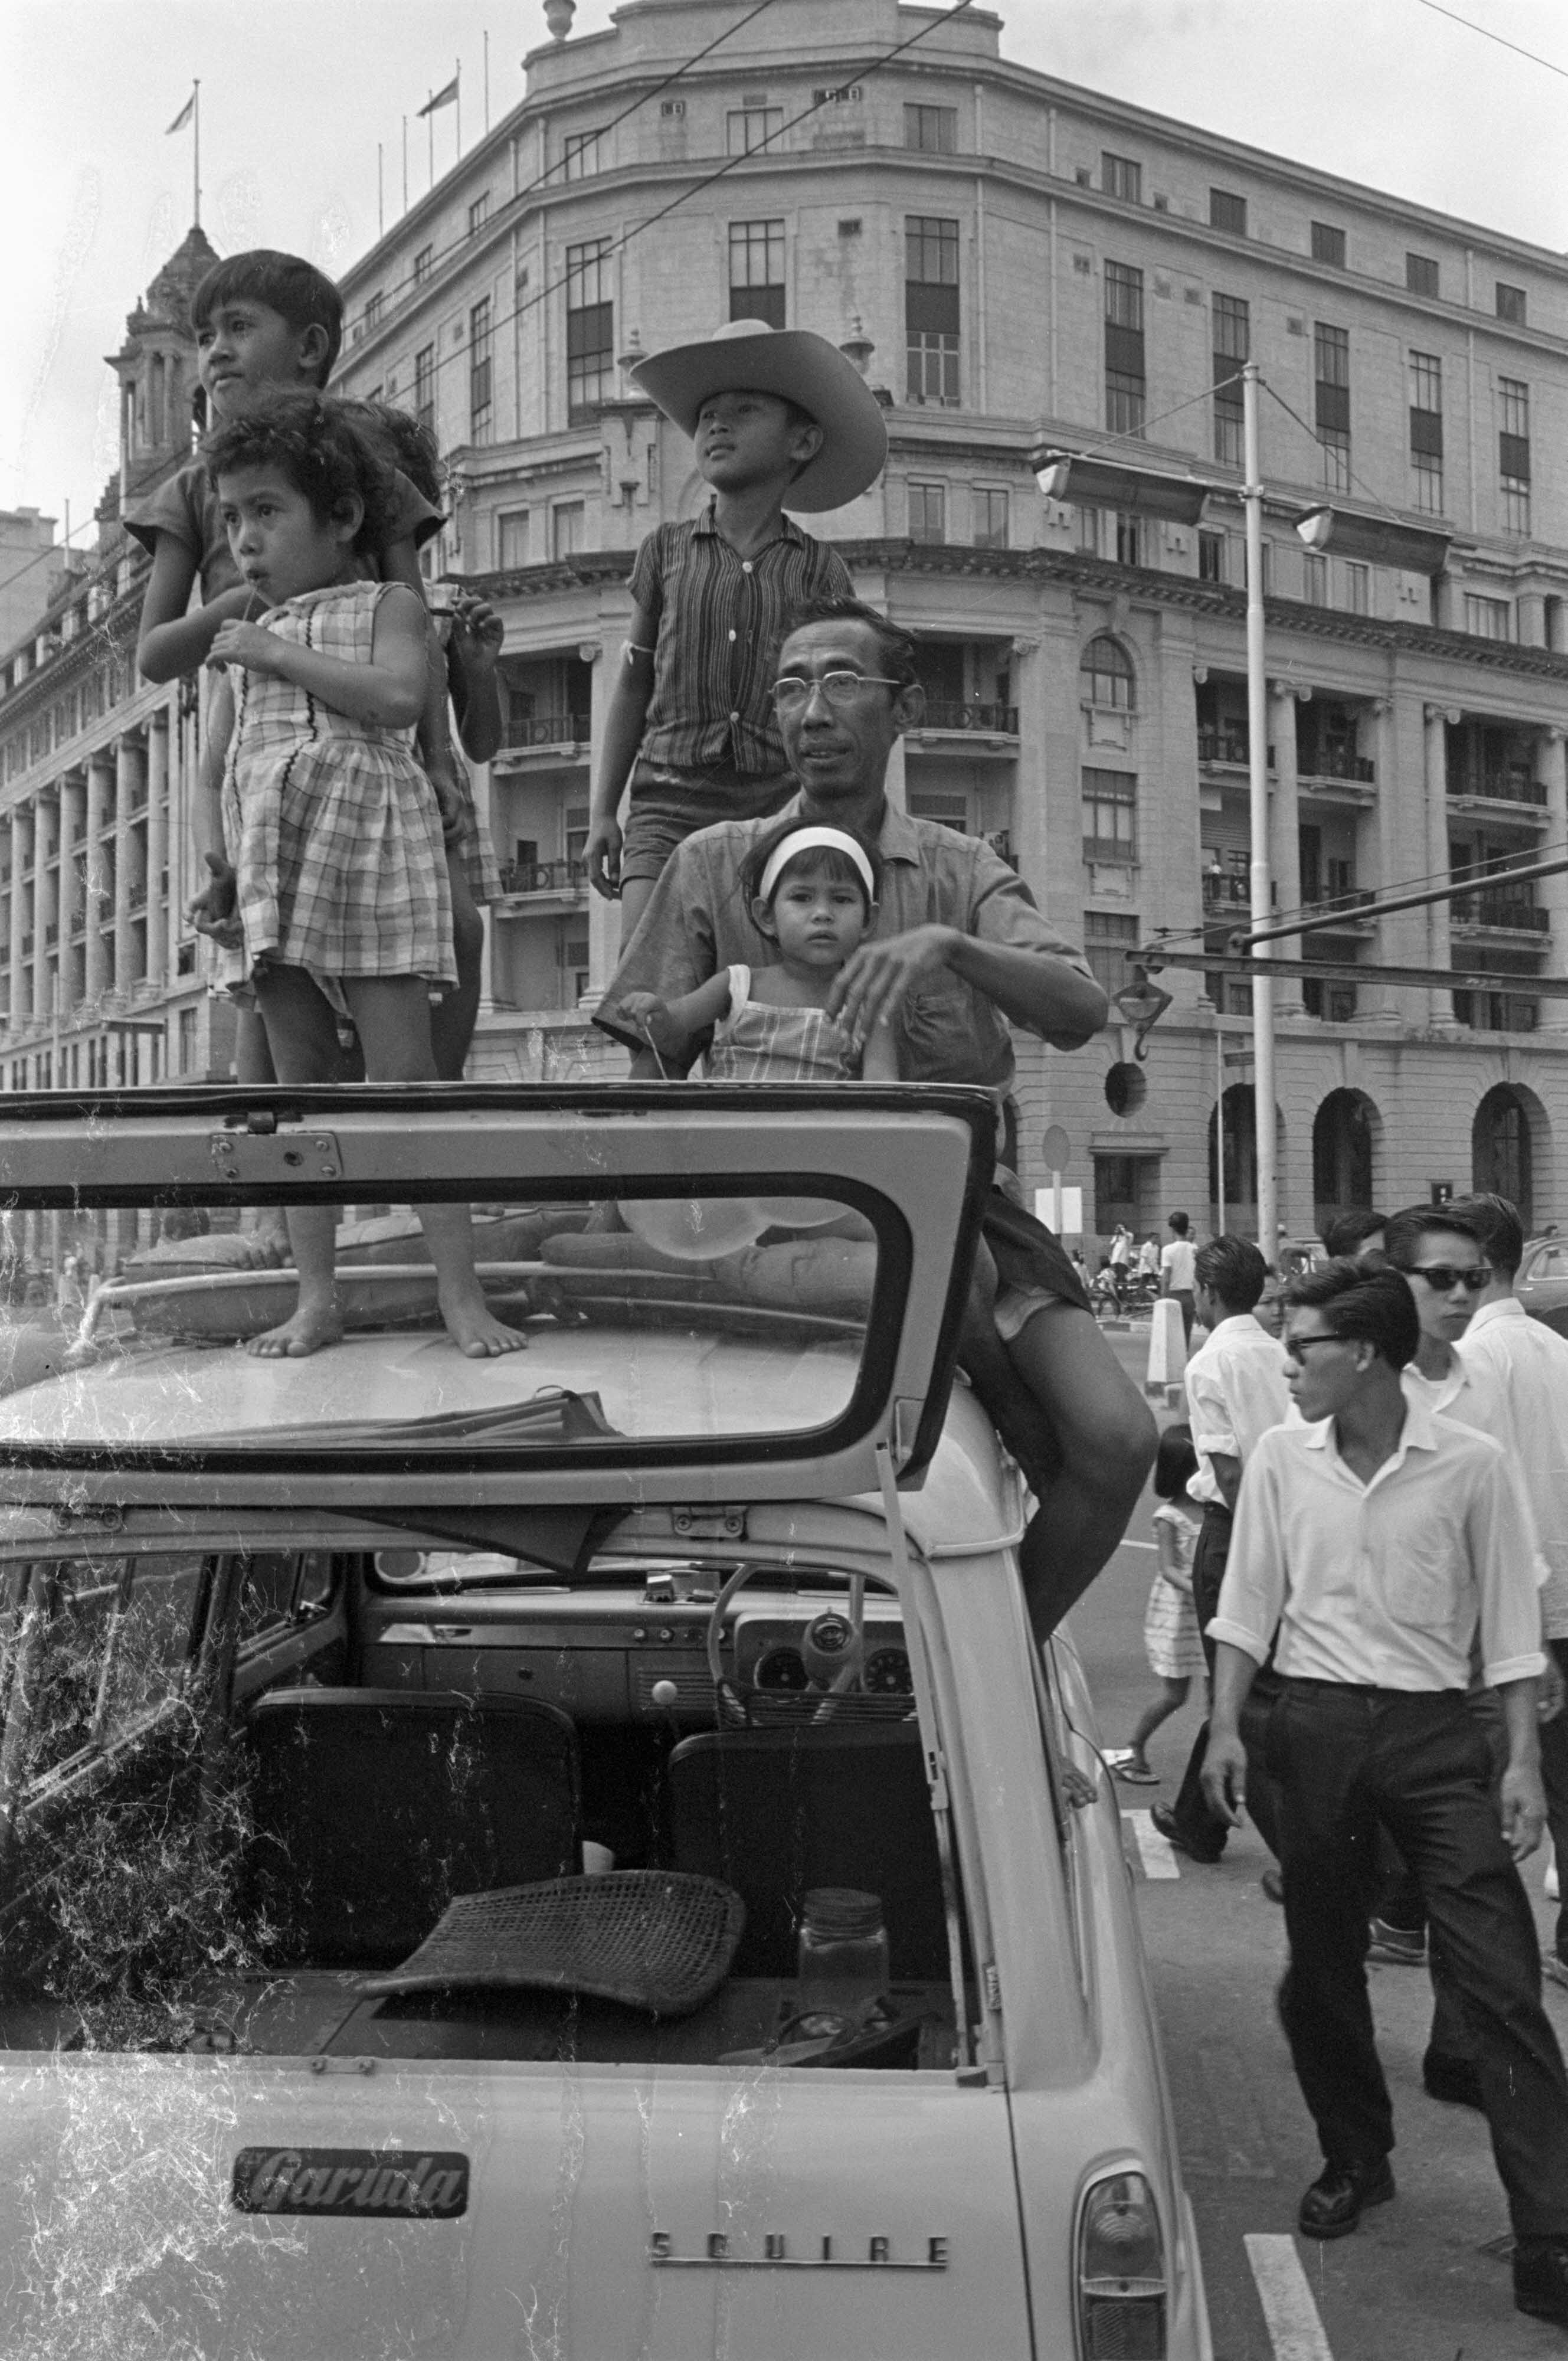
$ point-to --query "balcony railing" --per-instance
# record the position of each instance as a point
(1513, 911)
(544, 876)
(1339, 763)
(546, 730)
(1224, 889)
(945, 713)
(1223, 746)
(1512, 782)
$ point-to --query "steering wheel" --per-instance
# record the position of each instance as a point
(833, 1647)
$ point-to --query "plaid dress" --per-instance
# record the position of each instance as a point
(331, 827)
(759, 1043)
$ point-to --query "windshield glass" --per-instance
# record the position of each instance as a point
(184, 1327)
(424, 1804)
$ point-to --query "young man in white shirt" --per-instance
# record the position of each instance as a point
(1381, 1542)
(1236, 1390)
(1176, 1269)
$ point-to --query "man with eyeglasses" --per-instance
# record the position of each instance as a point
(1382, 1543)
(959, 952)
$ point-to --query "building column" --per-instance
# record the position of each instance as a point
(159, 970)
(603, 918)
(99, 779)
(21, 913)
(1439, 940)
(128, 760)
(45, 903)
(72, 810)
(1284, 829)
(1553, 891)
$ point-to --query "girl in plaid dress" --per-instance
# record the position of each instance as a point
(1171, 1641)
(814, 891)
(333, 829)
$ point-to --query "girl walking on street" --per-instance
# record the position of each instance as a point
(1170, 1627)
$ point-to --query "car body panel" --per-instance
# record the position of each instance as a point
(1541, 1285)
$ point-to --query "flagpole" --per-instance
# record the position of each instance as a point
(405, 163)
(430, 127)
(458, 79)
(487, 81)
(196, 155)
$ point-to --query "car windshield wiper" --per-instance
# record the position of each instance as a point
(553, 1415)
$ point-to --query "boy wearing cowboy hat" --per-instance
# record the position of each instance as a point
(775, 414)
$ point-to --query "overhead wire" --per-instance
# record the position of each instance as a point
(1487, 35)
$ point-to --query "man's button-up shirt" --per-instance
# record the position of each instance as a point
(1528, 1363)
(1235, 1392)
(697, 921)
(1383, 1583)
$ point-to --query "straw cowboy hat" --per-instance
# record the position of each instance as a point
(750, 357)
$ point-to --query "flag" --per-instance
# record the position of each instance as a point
(442, 97)
(184, 117)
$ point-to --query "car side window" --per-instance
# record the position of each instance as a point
(281, 1589)
(103, 1647)
(1550, 1263)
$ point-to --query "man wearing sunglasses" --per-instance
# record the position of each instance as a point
(958, 953)
(1383, 1543)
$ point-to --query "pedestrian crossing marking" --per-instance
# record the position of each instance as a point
(1157, 1857)
(1295, 2328)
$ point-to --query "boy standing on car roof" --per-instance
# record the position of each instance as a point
(958, 951)
(776, 415)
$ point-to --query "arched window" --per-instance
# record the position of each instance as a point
(1342, 1154)
(1106, 674)
(1500, 1151)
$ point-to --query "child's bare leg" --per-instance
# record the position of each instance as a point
(253, 1063)
(1171, 1698)
(454, 1017)
(301, 1035)
(635, 894)
(391, 1014)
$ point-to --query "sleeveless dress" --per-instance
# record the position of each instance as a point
(331, 827)
(759, 1043)
(1171, 1641)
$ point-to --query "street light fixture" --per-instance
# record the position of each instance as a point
(1094, 482)
(1377, 541)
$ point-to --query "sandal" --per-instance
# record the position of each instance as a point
(1136, 1774)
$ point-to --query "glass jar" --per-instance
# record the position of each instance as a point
(842, 1963)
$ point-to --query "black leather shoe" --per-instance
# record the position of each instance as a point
(1540, 2278)
(1452, 2080)
(1165, 1820)
(1341, 2194)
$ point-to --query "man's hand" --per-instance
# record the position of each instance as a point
(871, 985)
(476, 632)
(249, 645)
(1550, 1691)
(602, 853)
(1523, 1802)
(212, 912)
(1224, 1776)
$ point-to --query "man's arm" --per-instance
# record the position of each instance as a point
(1225, 1764)
(670, 954)
(1032, 989)
(1521, 1799)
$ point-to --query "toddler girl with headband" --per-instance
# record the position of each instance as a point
(813, 892)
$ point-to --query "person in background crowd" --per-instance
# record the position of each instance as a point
(1236, 1390)
(1171, 1641)
(1382, 1545)
(1149, 1258)
(1176, 1270)
(1357, 1235)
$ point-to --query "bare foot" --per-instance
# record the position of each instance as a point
(312, 1326)
(475, 1330)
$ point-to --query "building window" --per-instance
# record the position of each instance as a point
(511, 540)
(1108, 937)
(1121, 177)
(931, 309)
(580, 152)
(565, 529)
(1513, 453)
(188, 1050)
(1488, 618)
(1125, 383)
(751, 127)
(1230, 328)
(424, 387)
(374, 305)
(590, 330)
(423, 262)
(988, 513)
(928, 513)
(1426, 430)
(481, 372)
(1106, 675)
(1210, 557)
(1328, 244)
(1129, 547)
(1510, 305)
(1314, 578)
(1227, 212)
(1420, 274)
(478, 213)
(933, 128)
(1111, 815)
(1357, 588)
(757, 271)
(1331, 351)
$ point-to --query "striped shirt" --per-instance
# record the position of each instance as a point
(720, 618)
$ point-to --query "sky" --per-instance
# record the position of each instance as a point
(296, 95)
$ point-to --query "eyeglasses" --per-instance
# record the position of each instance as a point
(792, 692)
(1298, 1347)
(1445, 1276)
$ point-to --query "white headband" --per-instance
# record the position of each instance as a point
(814, 839)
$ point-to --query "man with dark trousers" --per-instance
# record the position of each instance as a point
(1235, 1392)
(1382, 1543)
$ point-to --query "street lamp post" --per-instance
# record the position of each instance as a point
(1260, 877)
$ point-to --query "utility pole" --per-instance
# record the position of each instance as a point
(1257, 780)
